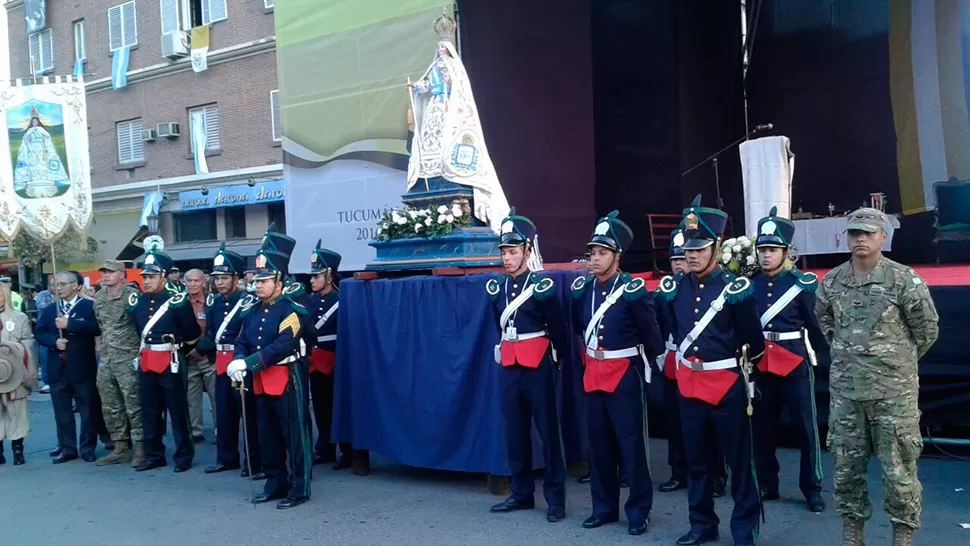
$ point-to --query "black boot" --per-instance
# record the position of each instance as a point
(3, 460)
(18, 452)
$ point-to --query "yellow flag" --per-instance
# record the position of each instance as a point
(200, 48)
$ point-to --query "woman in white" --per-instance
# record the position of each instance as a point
(39, 170)
(17, 344)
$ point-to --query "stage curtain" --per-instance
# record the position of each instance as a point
(416, 379)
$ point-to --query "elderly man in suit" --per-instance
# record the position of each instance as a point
(68, 329)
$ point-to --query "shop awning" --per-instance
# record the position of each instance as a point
(203, 250)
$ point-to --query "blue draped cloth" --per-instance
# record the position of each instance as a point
(416, 380)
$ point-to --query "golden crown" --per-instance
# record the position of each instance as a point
(34, 112)
(445, 26)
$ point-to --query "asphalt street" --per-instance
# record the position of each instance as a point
(79, 504)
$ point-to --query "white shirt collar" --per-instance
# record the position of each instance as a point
(72, 303)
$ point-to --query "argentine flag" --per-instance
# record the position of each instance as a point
(119, 68)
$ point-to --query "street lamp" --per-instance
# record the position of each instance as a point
(153, 223)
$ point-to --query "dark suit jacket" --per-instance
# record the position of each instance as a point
(79, 363)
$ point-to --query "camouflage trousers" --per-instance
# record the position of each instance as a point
(888, 428)
(120, 404)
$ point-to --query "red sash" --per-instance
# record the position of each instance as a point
(154, 361)
(528, 353)
(603, 375)
(778, 360)
(670, 365)
(272, 380)
(710, 386)
(322, 360)
(223, 358)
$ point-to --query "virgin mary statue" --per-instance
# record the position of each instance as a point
(448, 139)
(39, 172)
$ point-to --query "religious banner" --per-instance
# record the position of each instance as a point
(45, 173)
(200, 48)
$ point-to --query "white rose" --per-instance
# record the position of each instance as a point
(730, 242)
(427, 221)
(380, 230)
(418, 227)
(442, 219)
(401, 220)
(456, 211)
(450, 218)
(746, 243)
(395, 216)
(736, 248)
(385, 225)
(413, 214)
(442, 209)
(750, 260)
(726, 257)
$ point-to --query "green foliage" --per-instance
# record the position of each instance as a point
(72, 247)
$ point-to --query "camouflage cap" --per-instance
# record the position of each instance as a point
(867, 219)
(112, 265)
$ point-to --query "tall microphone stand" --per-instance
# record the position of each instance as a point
(713, 159)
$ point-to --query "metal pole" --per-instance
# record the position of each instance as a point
(947, 441)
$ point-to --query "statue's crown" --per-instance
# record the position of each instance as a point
(34, 112)
(444, 26)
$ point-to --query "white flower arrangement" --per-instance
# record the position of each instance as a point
(426, 223)
(738, 256)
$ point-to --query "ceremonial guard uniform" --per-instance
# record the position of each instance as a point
(168, 331)
(620, 333)
(667, 364)
(786, 375)
(223, 322)
(714, 317)
(532, 324)
(268, 348)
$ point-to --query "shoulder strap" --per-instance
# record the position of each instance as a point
(326, 316)
(780, 305)
(603, 308)
(154, 320)
(227, 320)
(705, 321)
(515, 304)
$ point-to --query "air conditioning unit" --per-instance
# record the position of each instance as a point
(168, 130)
(175, 45)
(149, 135)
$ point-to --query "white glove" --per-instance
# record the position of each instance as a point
(237, 370)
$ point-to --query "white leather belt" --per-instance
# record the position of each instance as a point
(163, 347)
(226, 348)
(608, 355)
(524, 337)
(782, 336)
(671, 346)
(725, 364)
(322, 339)
(287, 360)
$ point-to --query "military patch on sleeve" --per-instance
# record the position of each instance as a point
(294, 290)
(177, 300)
(578, 286)
(634, 289)
(132, 300)
(668, 287)
(739, 290)
(292, 323)
(807, 281)
(544, 288)
(492, 288)
(248, 302)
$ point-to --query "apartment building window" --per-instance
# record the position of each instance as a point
(277, 215)
(186, 14)
(199, 225)
(122, 26)
(131, 148)
(213, 11)
(211, 115)
(274, 107)
(41, 51)
(235, 222)
(268, 4)
(80, 44)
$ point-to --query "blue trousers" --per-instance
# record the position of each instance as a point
(733, 435)
(228, 416)
(618, 437)
(675, 436)
(160, 392)
(284, 438)
(530, 394)
(797, 392)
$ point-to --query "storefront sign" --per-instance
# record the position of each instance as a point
(239, 195)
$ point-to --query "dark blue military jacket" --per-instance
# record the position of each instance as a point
(798, 314)
(217, 310)
(318, 307)
(177, 325)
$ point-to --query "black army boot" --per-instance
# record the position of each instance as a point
(3, 460)
(18, 452)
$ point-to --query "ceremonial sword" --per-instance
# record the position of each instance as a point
(241, 387)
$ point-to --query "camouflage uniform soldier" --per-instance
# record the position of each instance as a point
(117, 379)
(879, 319)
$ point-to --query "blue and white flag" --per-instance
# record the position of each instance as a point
(78, 68)
(198, 137)
(119, 68)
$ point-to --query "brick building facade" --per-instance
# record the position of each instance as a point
(237, 90)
